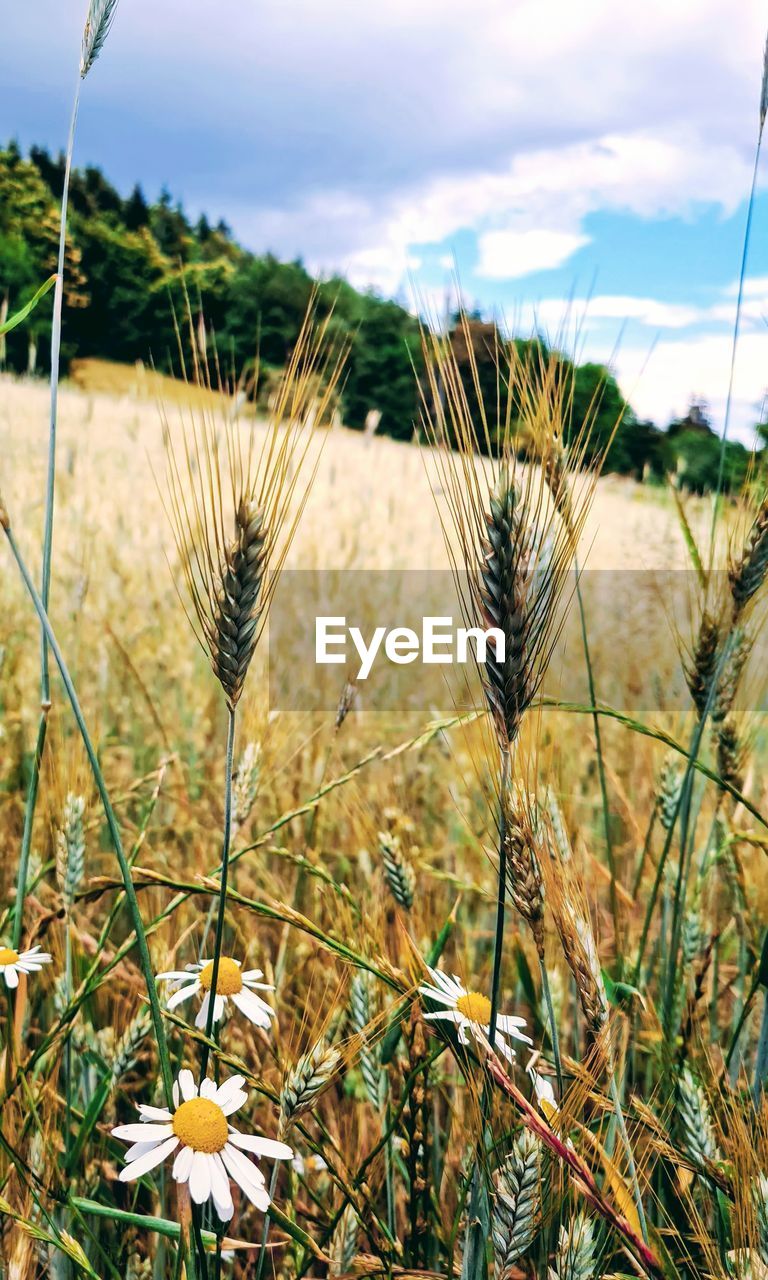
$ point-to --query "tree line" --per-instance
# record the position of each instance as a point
(132, 264)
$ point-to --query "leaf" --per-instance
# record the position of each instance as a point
(690, 541)
(621, 994)
(161, 1226)
(19, 317)
(473, 1265)
(762, 969)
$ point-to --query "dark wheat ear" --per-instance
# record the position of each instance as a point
(748, 573)
(236, 620)
(234, 505)
(511, 527)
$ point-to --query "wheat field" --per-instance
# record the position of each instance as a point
(626, 1133)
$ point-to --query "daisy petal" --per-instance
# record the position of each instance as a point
(142, 1132)
(261, 1146)
(154, 1113)
(182, 994)
(234, 1102)
(228, 1088)
(11, 976)
(222, 1196)
(252, 975)
(182, 1165)
(138, 1149)
(137, 1168)
(437, 994)
(187, 1084)
(200, 1177)
(173, 975)
(207, 1088)
(253, 1008)
(246, 1175)
(510, 1027)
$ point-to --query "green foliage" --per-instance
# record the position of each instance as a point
(134, 269)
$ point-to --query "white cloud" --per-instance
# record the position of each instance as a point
(348, 133)
(659, 382)
(506, 255)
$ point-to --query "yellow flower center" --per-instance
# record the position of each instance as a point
(475, 1006)
(201, 1125)
(7, 956)
(229, 979)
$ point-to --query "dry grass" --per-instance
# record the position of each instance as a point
(340, 901)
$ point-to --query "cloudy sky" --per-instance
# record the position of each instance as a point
(595, 155)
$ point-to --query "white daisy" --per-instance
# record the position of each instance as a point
(231, 984)
(208, 1150)
(12, 963)
(470, 1011)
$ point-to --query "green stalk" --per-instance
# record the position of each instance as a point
(553, 1033)
(114, 831)
(45, 590)
(761, 1062)
(222, 891)
(734, 348)
(498, 943)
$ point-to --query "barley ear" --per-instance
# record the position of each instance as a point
(399, 873)
(237, 614)
(748, 572)
(70, 849)
(306, 1081)
(516, 1204)
(576, 1251)
(695, 1119)
(101, 15)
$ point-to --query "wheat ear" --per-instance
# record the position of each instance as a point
(516, 1204)
(101, 15)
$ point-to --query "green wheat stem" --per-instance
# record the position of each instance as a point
(125, 870)
(45, 590)
(498, 943)
(600, 758)
(222, 905)
(734, 348)
(553, 1032)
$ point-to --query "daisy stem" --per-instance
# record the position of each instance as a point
(222, 892)
(114, 831)
(498, 945)
(199, 1249)
(266, 1226)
